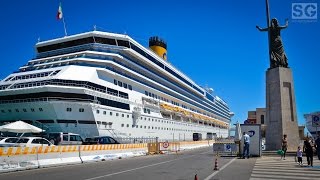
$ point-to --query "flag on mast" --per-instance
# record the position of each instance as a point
(59, 14)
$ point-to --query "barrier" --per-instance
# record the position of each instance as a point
(153, 148)
(226, 149)
(21, 158)
(169, 146)
(18, 158)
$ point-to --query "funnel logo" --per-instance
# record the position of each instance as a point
(164, 56)
(251, 133)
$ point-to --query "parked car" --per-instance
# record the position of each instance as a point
(100, 140)
(61, 138)
(24, 141)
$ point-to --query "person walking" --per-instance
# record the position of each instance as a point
(284, 146)
(308, 149)
(317, 145)
(299, 155)
(246, 140)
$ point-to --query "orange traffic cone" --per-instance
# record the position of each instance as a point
(216, 165)
(196, 177)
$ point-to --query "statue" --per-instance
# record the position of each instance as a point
(278, 57)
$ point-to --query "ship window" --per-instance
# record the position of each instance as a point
(146, 93)
(120, 83)
(122, 115)
(141, 126)
(46, 121)
(24, 110)
(127, 115)
(130, 87)
(127, 125)
(86, 122)
(122, 125)
(9, 110)
(125, 85)
(81, 110)
(115, 82)
(132, 126)
(2, 111)
(148, 127)
(110, 113)
(123, 43)
(105, 40)
(98, 111)
(68, 109)
(145, 127)
(117, 114)
(17, 110)
(104, 112)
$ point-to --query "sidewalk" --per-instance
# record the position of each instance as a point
(269, 167)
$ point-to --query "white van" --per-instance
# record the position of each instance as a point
(61, 138)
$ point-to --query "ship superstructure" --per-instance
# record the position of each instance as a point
(99, 83)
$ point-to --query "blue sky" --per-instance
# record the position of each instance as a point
(213, 42)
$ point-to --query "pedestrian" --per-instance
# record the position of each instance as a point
(284, 146)
(308, 149)
(246, 140)
(299, 156)
(317, 145)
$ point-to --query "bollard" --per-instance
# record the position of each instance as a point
(216, 165)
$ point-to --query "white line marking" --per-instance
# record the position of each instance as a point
(129, 170)
(216, 172)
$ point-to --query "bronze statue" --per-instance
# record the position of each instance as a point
(278, 57)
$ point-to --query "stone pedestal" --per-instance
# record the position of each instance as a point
(281, 116)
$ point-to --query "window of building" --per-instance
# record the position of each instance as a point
(262, 119)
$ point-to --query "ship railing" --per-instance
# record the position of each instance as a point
(135, 140)
(43, 99)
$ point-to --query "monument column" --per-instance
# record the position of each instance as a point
(281, 117)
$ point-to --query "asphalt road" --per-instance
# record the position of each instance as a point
(183, 165)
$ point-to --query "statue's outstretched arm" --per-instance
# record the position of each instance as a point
(285, 26)
(262, 29)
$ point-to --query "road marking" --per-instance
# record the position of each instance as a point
(216, 172)
(129, 170)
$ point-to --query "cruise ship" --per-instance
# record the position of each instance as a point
(99, 83)
(313, 123)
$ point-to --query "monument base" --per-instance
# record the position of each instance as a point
(281, 117)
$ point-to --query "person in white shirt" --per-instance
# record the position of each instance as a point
(246, 139)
